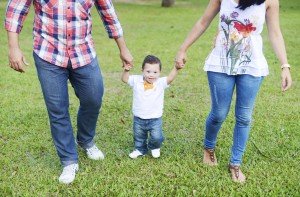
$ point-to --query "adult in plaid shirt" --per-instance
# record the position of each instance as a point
(64, 50)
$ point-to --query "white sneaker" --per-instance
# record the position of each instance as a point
(68, 174)
(94, 153)
(155, 153)
(135, 154)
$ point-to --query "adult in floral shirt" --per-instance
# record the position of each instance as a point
(236, 62)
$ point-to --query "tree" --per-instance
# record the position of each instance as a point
(167, 3)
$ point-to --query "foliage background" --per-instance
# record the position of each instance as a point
(30, 166)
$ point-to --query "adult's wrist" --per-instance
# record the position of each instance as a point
(13, 40)
(182, 49)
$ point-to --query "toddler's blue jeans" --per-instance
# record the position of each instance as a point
(221, 90)
(141, 129)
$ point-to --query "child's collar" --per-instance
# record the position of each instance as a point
(148, 86)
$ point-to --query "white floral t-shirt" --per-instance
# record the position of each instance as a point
(238, 47)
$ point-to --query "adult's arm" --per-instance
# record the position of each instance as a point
(15, 55)
(113, 27)
(199, 28)
(15, 15)
(277, 41)
(125, 55)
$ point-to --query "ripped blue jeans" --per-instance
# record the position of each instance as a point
(221, 90)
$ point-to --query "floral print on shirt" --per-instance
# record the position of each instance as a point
(236, 47)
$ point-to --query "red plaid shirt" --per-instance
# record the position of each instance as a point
(62, 28)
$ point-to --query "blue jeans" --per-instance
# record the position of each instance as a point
(221, 90)
(88, 85)
(141, 127)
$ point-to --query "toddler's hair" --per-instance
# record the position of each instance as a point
(151, 59)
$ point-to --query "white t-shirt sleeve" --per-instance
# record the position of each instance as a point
(163, 82)
(131, 80)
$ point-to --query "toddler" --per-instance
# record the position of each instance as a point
(147, 106)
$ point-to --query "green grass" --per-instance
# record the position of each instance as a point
(28, 160)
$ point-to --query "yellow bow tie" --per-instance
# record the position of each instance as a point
(148, 86)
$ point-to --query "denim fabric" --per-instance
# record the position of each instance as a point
(221, 89)
(88, 86)
(141, 129)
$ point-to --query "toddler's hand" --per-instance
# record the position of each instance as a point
(127, 67)
(177, 67)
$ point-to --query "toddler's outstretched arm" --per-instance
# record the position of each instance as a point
(125, 75)
(172, 74)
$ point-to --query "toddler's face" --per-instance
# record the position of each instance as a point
(151, 72)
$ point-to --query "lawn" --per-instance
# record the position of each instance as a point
(28, 160)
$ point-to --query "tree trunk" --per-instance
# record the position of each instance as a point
(167, 3)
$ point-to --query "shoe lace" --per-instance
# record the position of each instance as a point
(155, 151)
(69, 169)
(92, 150)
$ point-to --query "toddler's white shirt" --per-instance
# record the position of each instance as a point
(149, 103)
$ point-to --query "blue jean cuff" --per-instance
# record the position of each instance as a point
(69, 162)
(209, 147)
(235, 164)
(143, 152)
(87, 145)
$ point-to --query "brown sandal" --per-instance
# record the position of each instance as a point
(211, 153)
(234, 170)
(212, 156)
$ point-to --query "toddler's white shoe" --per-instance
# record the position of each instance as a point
(135, 154)
(94, 153)
(68, 174)
(155, 153)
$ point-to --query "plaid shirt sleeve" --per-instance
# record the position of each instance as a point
(16, 13)
(109, 17)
